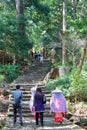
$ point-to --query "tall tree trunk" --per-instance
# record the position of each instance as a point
(20, 16)
(64, 52)
(82, 10)
(74, 7)
(82, 56)
(14, 59)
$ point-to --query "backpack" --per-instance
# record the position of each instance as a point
(44, 99)
(18, 100)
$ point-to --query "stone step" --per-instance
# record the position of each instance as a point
(36, 65)
(27, 114)
(32, 76)
(26, 107)
(25, 99)
(47, 106)
(29, 124)
(28, 99)
(41, 65)
(29, 92)
(25, 86)
(26, 94)
(27, 111)
(26, 104)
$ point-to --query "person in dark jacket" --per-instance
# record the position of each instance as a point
(33, 91)
(39, 105)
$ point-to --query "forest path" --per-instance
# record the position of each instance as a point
(30, 78)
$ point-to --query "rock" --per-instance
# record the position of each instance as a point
(63, 71)
(68, 115)
(3, 106)
(75, 120)
(2, 120)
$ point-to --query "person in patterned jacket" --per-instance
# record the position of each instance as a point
(58, 105)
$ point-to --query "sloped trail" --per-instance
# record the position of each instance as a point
(30, 78)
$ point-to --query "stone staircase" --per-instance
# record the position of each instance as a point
(32, 76)
(26, 97)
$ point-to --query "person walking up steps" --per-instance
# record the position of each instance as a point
(58, 106)
(17, 104)
(39, 100)
(33, 91)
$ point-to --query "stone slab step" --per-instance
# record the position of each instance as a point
(32, 77)
(24, 110)
(26, 85)
(29, 124)
(27, 98)
(26, 105)
(27, 91)
(10, 114)
(27, 88)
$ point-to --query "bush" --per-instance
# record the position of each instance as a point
(62, 83)
(74, 86)
(2, 77)
(78, 88)
(85, 66)
(10, 71)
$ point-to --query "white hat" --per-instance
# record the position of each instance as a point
(56, 91)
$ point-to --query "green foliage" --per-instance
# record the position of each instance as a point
(42, 8)
(85, 66)
(2, 78)
(10, 71)
(70, 108)
(62, 83)
(78, 88)
(6, 93)
(1, 126)
(9, 38)
(74, 86)
(77, 18)
(39, 16)
(43, 24)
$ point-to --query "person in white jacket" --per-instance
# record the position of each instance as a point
(41, 59)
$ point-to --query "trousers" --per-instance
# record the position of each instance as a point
(41, 118)
(17, 109)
